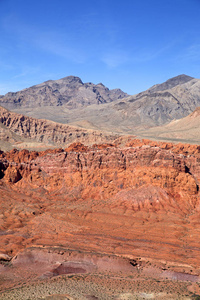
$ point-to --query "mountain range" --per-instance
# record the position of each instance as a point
(86, 106)
(69, 92)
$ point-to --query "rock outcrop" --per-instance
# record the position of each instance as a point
(170, 83)
(139, 201)
(24, 132)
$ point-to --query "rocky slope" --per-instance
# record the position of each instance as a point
(182, 130)
(170, 83)
(174, 99)
(19, 131)
(103, 199)
(97, 209)
(141, 115)
(69, 92)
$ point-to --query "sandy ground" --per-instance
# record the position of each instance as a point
(101, 286)
(40, 274)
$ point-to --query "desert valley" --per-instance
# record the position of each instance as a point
(99, 191)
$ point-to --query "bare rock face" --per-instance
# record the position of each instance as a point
(69, 92)
(5, 257)
(139, 201)
(174, 99)
(12, 174)
(170, 83)
(21, 131)
(69, 100)
(185, 129)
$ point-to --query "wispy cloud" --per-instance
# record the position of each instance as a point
(114, 59)
(192, 53)
(26, 71)
(60, 45)
(145, 55)
(49, 41)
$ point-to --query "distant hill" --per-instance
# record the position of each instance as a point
(69, 92)
(173, 99)
(170, 83)
(22, 132)
(185, 130)
(121, 114)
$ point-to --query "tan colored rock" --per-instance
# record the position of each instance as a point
(12, 174)
(5, 257)
(20, 132)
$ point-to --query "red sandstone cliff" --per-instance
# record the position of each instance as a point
(141, 200)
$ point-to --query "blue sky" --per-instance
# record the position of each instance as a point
(123, 44)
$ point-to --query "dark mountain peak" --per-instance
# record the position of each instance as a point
(180, 79)
(183, 77)
(170, 83)
(71, 79)
(101, 84)
(69, 92)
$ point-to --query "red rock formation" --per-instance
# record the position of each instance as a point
(137, 201)
(77, 147)
(176, 148)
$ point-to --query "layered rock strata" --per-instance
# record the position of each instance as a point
(22, 131)
(139, 201)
